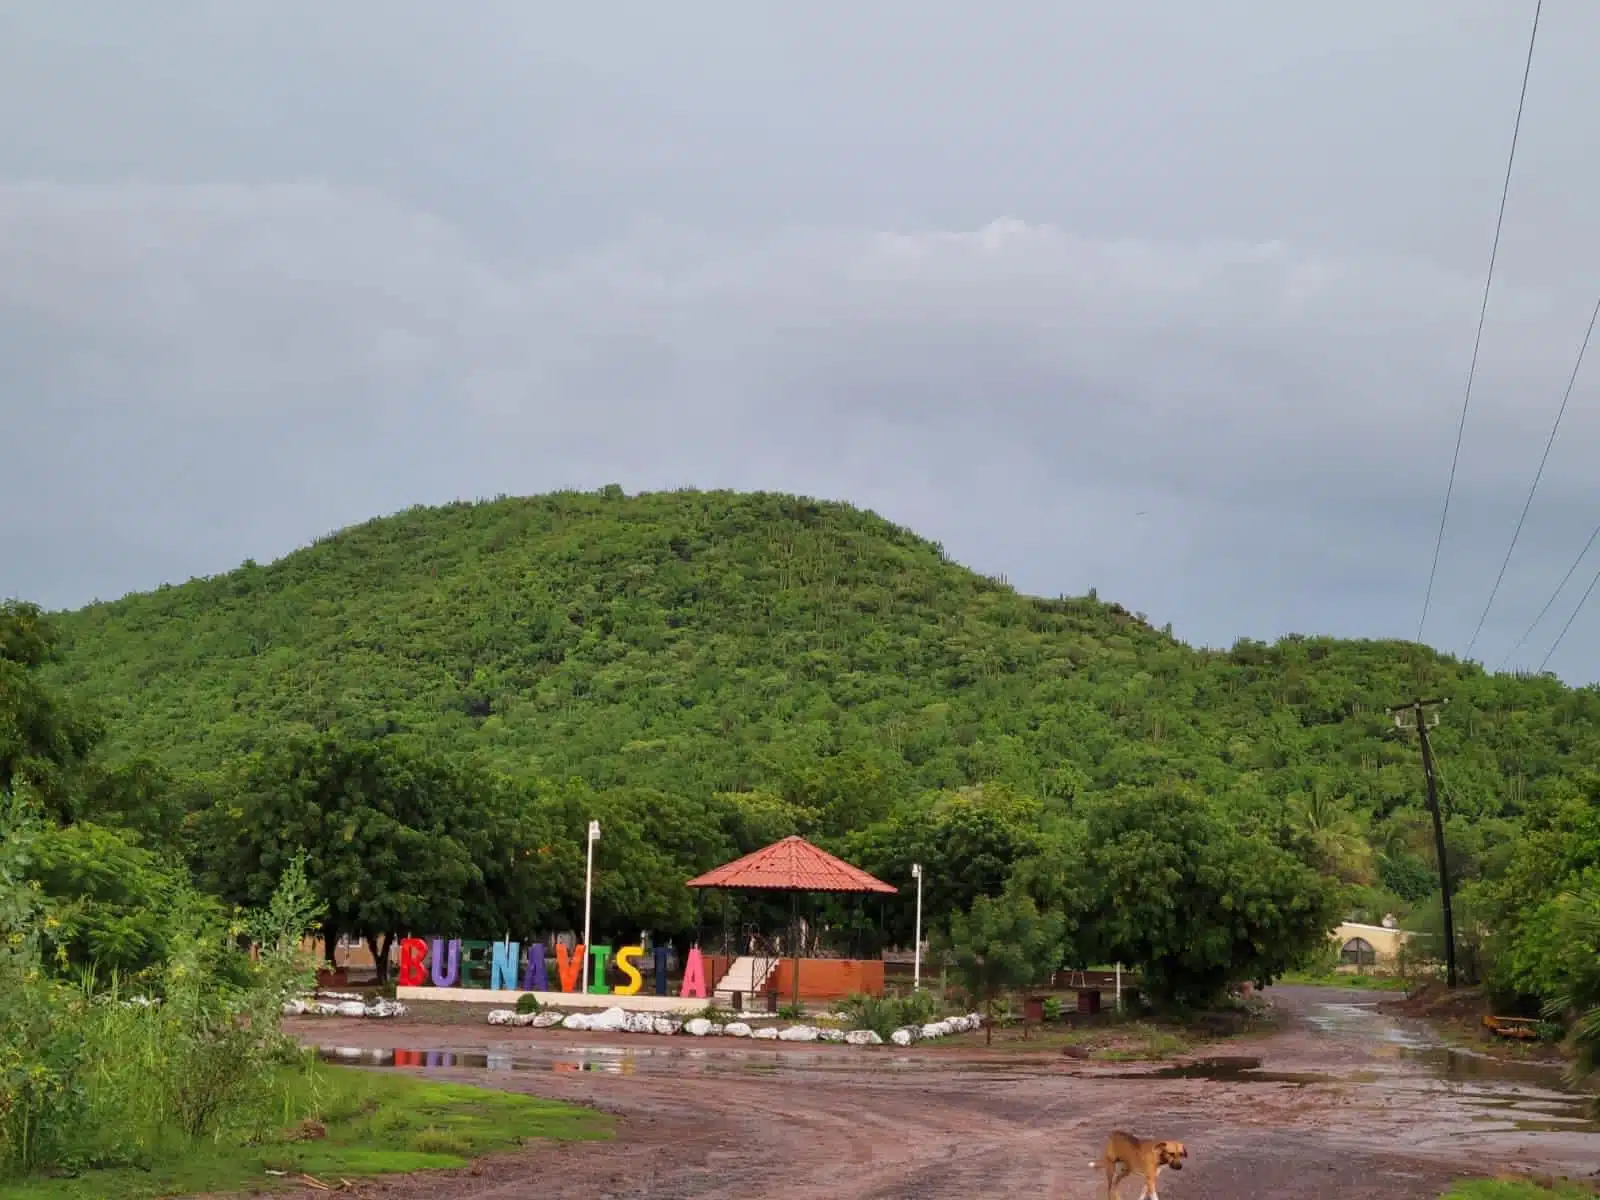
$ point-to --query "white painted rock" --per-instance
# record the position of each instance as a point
(830, 1035)
(640, 1022)
(502, 1016)
(698, 1027)
(386, 1008)
(613, 1020)
(667, 1025)
(798, 1033)
(936, 1029)
(716, 1029)
(576, 1021)
(765, 1035)
(901, 1037)
(736, 1029)
(545, 1020)
(293, 1008)
(351, 1008)
(976, 1019)
(863, 1037)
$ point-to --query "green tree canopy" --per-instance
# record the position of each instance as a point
(388, 837)
(44, 740)
(1197, 904)
(1005, 942)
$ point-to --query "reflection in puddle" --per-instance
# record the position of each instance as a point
(440, 1059)
(1495, 1092)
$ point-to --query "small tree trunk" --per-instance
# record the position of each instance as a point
(330, 942)
(988, 1026)
(380, 955)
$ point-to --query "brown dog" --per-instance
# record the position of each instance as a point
(1127, 1155)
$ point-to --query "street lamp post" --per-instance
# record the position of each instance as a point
(916, 944)
(588, 889)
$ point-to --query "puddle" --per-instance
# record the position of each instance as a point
(438, 1059)
(1217, 1070)
(618, 1060)
(1489, 1092)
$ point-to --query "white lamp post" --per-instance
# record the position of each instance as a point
(916, 945)
(588, 888)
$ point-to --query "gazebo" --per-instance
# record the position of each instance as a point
(792, 866)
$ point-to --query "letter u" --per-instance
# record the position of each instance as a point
(451, 971)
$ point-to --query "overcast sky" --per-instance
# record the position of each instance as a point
(1174, 300)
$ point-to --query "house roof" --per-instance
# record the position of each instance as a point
(792, 865)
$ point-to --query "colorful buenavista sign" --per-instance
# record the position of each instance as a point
(501, 966)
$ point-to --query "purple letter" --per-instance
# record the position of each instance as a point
(450, 972)
(533, 977)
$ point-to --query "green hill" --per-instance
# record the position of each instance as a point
(704, 642)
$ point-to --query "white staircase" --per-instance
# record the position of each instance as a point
(747, 974)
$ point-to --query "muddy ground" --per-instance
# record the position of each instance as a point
(1344, 1102)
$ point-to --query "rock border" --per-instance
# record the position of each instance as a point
(341, 1004)
(617, 1020)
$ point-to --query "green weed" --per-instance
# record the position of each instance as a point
(359, 1122)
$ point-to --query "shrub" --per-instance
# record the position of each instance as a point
(117, 1071)
(884, 1014)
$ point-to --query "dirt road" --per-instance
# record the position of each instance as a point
(1345, 1103)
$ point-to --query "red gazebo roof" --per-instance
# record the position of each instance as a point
(792, 865)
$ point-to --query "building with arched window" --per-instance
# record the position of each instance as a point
(1368, 949)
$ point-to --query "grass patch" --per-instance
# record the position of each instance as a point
(1506, 1189)
(1365, 983)
(337, 1122)
(1121, 1041)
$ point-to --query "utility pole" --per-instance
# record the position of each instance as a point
(1418, 710)
(916, 937)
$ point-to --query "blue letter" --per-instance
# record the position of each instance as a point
(503, 970)
(661, 970)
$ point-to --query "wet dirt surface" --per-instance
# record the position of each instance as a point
(1344, 1103)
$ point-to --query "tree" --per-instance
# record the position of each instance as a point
(388, 837)
(108, 896)
(1005, 942)
(44, 741)
(1194, 903)
(1576, 994)
(967, 840)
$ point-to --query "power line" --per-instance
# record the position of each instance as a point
(1584, 599)
(1554, 596)
(1537, 476)
(1477, 342)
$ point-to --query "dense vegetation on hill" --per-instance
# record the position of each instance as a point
(697, 643)
(715, 669)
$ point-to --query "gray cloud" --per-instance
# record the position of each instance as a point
(242, 304)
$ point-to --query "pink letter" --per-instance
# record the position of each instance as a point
(694, 976)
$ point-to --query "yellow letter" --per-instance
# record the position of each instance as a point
(624, 961)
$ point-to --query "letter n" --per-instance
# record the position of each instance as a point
(503, 969)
